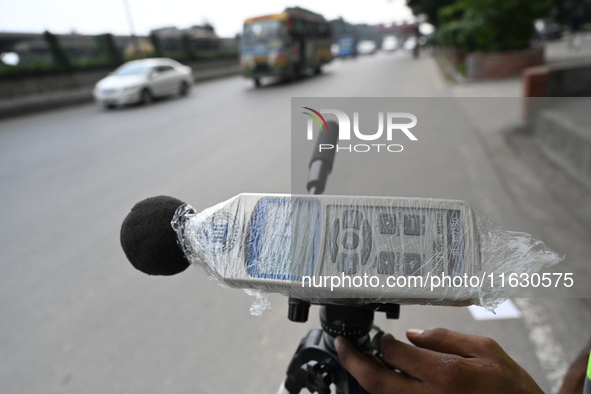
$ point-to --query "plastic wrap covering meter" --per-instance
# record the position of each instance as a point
(300, 245)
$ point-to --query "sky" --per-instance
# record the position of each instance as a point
(102, 16)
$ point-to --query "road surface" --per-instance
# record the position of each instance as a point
(76, 317)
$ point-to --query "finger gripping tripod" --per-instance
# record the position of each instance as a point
(315, 364)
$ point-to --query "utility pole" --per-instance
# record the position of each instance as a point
(134, 42)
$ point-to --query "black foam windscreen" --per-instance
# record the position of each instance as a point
(149, 241)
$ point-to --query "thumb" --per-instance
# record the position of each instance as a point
(451, 342)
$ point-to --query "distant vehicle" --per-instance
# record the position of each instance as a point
(334, 50)
(285, 44)
(141, 81)
(410, 43)
(548, 29)
(347, 47)
(390, 43)
(366, 47)
(413, 45)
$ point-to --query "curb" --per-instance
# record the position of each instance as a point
(566, 144)
(448, 69)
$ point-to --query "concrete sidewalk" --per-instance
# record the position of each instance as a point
(562, 128)
(560, 51)
(563, 133)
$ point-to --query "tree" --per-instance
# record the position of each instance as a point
(490, 25)
(428, 7)
(564, 9)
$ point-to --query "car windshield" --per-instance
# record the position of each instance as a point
(132, 69)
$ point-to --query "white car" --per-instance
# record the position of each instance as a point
(389, 43)
(410, 43)
(366, 47)
(140, 81)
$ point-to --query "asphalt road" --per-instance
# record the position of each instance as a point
(76, 317)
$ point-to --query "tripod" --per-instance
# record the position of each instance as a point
(315, 364)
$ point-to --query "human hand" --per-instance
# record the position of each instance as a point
(442, 362)
(574, 379)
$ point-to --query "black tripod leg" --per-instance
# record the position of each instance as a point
(315, 367)
(311, 367)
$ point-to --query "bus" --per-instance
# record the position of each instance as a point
(285, 45)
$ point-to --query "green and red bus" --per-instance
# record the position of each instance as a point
(285, 44)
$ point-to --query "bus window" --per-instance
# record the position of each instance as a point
(270, 33)
(300, 26)
(313, 29)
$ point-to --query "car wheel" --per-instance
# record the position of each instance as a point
(110, 106)
(183, 89)
(257, 83)
(146, 97)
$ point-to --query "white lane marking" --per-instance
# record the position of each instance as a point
(506, 310)
(549, 352)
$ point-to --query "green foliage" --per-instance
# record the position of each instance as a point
(59, 56)
(108, 58)
(182, 55)
(428, 7)
(102, 62)
(227, 54)
(490, 25)
(37, 68)
(49, 68)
